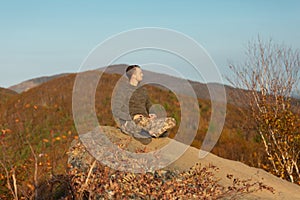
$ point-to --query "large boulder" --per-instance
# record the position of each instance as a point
(95, 172)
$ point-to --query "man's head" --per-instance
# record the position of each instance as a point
(134, 72)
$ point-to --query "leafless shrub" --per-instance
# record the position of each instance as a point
(271, 75)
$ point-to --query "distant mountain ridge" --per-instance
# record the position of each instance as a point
(201, 89)
(31, 83)
(233, 95)
(26, 85)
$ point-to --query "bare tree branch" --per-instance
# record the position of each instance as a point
(271, 74)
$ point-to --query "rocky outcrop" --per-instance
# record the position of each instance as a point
(96, 171)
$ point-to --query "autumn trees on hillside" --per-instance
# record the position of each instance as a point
(271, 75)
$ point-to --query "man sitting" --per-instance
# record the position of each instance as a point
(131, 105)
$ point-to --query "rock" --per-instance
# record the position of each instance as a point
(86, 171)
(95, 171)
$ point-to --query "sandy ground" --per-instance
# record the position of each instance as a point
(282, 189)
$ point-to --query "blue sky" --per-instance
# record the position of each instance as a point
(40, 38)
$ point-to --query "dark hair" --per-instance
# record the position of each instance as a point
(130, 70)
